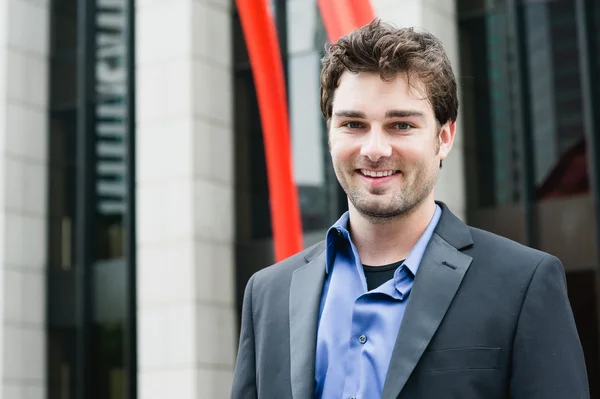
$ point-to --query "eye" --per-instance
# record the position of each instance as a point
(402, 126)
(353, 125)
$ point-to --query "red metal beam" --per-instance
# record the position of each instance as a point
(363, 12)
(342, 17)
(263, 49)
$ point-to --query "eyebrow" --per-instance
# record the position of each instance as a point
(393, 113)
(401, 113)
(350, 114)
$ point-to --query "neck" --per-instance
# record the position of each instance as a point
(392, 240)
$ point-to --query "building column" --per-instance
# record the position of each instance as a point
(24, 47)
(187, 329)
(439, 18)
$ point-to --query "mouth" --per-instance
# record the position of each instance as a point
(376, 179)
(378, 174)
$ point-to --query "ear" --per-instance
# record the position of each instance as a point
(446, 139)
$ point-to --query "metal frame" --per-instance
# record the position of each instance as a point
(282, 36)
(524, 124)
(130, 216)
(83, 241)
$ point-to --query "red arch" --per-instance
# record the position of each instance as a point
(341, 17)
(265, 60)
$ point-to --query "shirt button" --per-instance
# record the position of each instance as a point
(353, 397)
(362, 339)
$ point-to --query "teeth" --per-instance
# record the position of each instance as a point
(377, 174)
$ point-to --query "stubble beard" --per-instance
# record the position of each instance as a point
(403, 202)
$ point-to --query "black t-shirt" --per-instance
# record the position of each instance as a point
(377, 275)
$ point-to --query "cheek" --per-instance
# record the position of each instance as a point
(409, 152)
(341, 150)
(417, 150)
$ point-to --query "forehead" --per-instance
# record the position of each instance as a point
(368, 93)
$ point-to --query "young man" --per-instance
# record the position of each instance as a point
(402, 299)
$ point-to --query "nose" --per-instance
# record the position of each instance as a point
(376, 146)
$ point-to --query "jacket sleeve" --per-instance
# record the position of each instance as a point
(244, 376)
(547, 359)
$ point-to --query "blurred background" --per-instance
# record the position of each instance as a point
(133, 192)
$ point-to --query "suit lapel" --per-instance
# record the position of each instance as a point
(305, 299)
(440, 274)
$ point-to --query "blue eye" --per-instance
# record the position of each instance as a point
(353, 125)
(402, 126)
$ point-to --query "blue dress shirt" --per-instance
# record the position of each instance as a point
(358, 328)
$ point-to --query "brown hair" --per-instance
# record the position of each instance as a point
(380, 47)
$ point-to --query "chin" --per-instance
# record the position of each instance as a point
(377, 209)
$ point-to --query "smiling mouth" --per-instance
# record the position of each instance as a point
(378, 173)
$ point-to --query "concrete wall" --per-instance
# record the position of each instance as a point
(187, 331)
(24, 48)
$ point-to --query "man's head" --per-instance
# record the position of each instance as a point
(390, 100)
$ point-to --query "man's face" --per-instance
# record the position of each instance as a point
(385, 144)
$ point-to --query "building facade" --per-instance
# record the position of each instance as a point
(133, 195)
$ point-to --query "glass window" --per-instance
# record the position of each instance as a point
(556, 99)
(492, 141)
(106, 181)
(62, 332)
(306, 42)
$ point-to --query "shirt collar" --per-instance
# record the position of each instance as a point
(339, 230)
(415, 256)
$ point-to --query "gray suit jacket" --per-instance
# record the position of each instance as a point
(486, 318)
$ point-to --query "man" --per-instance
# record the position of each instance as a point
(403, 300)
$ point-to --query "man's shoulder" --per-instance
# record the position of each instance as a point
(501, 250)
(284, 269)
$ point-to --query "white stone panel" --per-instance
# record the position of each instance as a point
(212, 25)
(409, 13)
(33, 354)
(151, 338)
(24, 39)
(13, 362)
(214, 272)
(214, 383)
(35, 189)
(14, 226)
(213, 216)
(163, 91)
(165, 150)
(448, 7)
(34, 241)
(33, 390)
(216, 335)
(13, 299)
(33, 298)
(165, 212)
(213, 152)
(163, 31)
(11, 390)
(212, 93)
(28, 26)
(14, 195)
(181, 336)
